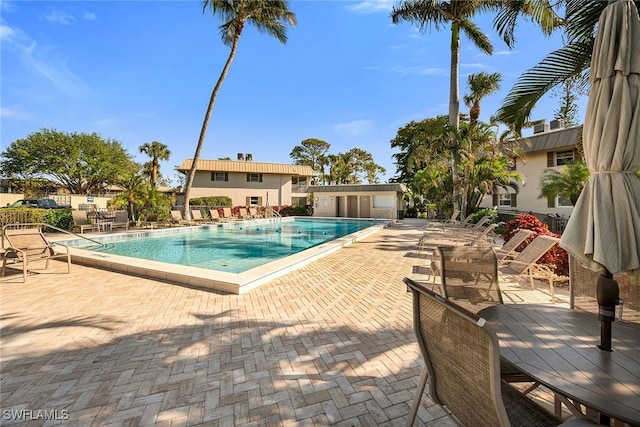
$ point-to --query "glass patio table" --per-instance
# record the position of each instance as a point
(558, 347)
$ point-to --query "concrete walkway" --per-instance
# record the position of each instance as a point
(329, 344)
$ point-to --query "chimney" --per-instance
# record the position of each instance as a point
(248, 157)
(557, 124)
(540, 127)
(240, 156)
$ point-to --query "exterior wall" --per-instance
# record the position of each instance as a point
(332, 204)
(527, 198)
(274, 189)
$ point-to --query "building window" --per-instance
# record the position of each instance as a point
(564, 157)
(505, 200)
(254, 201)
(254, 177)
(563, 202)
(298, 201)
(299, 180)
(219, 176)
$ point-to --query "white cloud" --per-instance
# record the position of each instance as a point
(42, 61)
(355, 127)
(89, 16)
(505, 52)
(372, 6)
(14, 113)
(6, 32)
(103, 123)
(59, 17)
(418, 70)
(475, 65)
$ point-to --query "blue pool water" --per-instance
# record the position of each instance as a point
(233, 248)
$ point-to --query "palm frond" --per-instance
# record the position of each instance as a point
(565, 62)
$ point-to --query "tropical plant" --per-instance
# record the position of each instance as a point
(312, 152)
(353, 167)
(268, 16)
(79, 162)
(567, 182)
(157, 151)
(459, 14)
(570, 61)
(480, 85)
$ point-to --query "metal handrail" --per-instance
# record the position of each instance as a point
(104, 245)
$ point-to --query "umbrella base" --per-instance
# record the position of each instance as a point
(607, 293)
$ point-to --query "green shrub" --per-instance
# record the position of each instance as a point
(211, 201)
(493, 216)
(60, 218)
(411, 212)
(299, 211)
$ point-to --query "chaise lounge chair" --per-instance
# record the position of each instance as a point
(27, 244)
(525, 262)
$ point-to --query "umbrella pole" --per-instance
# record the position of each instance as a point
(607, 293)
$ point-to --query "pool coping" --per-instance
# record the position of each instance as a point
(220, 281)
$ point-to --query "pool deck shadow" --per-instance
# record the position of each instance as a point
(330, 343)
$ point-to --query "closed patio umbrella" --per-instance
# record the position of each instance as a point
(603, 232)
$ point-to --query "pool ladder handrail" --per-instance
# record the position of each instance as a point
(43, 224)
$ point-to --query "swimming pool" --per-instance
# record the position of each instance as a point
(231, 257)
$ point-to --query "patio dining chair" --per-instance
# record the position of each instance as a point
(469, 276)
(462, 366)
(121, 219)
(26, 244)
(525, 262)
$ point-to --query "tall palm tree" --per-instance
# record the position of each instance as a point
(459, 14)
(157, 151)
(570, 61)
(268, 16)
(481, 85)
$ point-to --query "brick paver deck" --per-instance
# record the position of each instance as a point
(329, 344)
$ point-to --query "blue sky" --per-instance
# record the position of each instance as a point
(139, 71)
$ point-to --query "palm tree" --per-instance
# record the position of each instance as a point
(268, 16)
(157, 151)
(480, 85)
(567, 182)
(459, 14)
(570, 61)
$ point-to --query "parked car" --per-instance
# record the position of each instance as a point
(37, 203)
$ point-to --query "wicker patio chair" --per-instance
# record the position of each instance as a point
(462, 366)
(26, 244)
(469, 276)
(525, 262)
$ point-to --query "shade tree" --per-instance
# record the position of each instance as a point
(82, 163)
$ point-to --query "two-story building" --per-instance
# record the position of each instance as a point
(550, 147)
(250, 183)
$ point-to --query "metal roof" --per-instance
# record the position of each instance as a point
(357, 188)
(551, 140)
(247, 166)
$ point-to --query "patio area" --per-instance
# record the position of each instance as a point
(329, 344)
